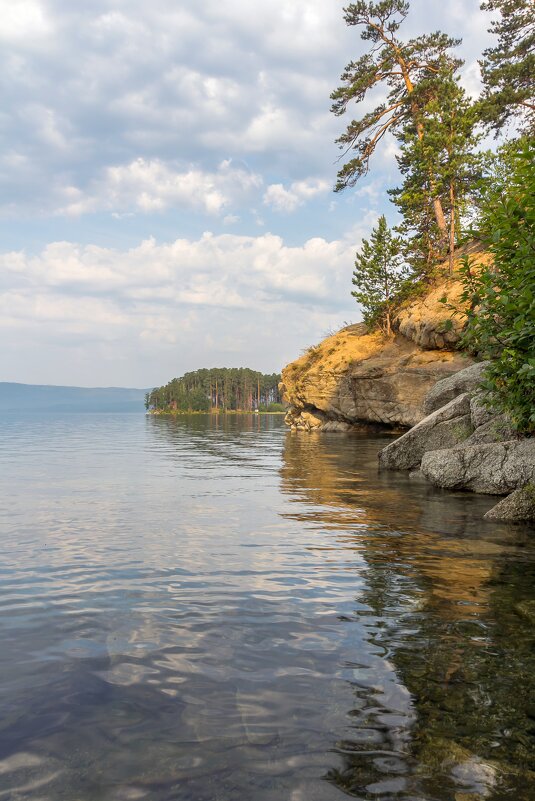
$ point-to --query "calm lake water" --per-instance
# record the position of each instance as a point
(210, 609)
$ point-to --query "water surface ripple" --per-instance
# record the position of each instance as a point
(218, 609)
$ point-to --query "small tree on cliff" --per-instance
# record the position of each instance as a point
(379, 276)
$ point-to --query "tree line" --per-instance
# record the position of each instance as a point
(451, 189)
(218, 389)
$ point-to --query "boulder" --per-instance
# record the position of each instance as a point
(518, 506)
(480, 413)
(493, 468)
(444, 391)
(444, 428)
(497, 429)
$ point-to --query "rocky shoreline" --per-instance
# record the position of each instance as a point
(416, 380)
(460, 445)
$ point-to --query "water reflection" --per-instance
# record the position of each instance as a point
(208, 608)
(445, 707)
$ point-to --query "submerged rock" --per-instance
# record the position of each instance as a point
(526, 609)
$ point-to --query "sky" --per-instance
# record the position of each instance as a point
(166, 175)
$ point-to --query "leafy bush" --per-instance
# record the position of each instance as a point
(501, 316)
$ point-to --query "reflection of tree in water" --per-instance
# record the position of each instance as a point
(444, 702)
(219, 436)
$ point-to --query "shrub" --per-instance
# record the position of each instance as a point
(501, 316)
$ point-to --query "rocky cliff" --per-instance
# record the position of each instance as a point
(417, 380)
(355, 376)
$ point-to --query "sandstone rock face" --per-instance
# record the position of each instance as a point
(444, 428)
(444, 391)
(427, 321)
(519, 505)
(354, 377)
(494, 468)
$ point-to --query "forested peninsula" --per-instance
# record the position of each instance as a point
(220, 389)
(446, 348)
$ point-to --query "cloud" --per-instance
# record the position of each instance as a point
(282, 199)
(152, 186)
(101, 92)
(174, 299)
(23, 21)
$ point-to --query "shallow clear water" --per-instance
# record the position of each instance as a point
(207, 609)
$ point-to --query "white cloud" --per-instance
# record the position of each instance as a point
(22, 21)
(287, 200)
(152, 186)
(129, 92)
(234, 289)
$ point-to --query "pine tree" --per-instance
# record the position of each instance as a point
(379, 276)
(448, 150)
(399, 67)
(508, 69)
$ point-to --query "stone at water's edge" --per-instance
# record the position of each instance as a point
(494, 469)
(497, 429)
(444, 428)
(518, 506)
(444, 391)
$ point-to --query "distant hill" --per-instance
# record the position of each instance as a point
(38, 398)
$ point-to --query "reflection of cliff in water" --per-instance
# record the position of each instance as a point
(438, 606)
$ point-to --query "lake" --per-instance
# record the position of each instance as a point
(212, 608)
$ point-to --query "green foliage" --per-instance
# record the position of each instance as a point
(379, 276)
(272, 408)
(501, 298)
(232, 389)
(508, 68)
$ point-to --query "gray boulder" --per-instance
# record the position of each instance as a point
(493, 468)
(479, 412)
(443, 428)
(497, 429)
(444, 391)
(518, 506)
